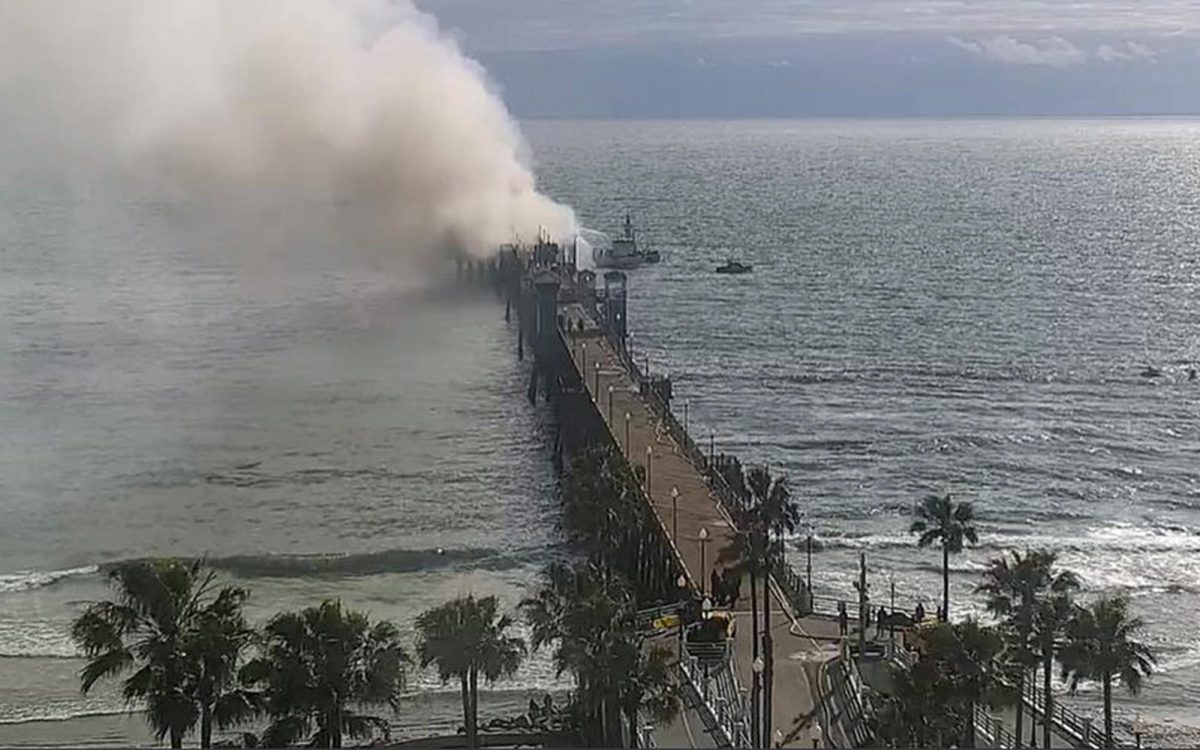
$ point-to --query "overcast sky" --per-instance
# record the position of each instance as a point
(728, 58)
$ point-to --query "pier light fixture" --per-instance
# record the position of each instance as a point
(610, 391)
(811, 532)
(627, 415)
(681, 581)
(649, 462)
(778, 737)
(675, 515)
(597, 388)
(583, 368)
(703, 544)
(706, 605)
(757, 667)
(816, 734)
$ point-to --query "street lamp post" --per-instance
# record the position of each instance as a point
(706, 607)
(685, 415)
(626, 436)
(808, 557)
(649, 468)
(816, 734)
(675, 515)
(703, 544)
(682, 583)
(597, 388)
(755, 715)
(610, 391)
(583, 368)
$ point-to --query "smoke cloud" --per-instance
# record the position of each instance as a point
(353, 123)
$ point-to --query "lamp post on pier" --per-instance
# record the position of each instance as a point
(808, 554)
(685, 415)
(649, 467)
(755, 715)
(583, 367)
(703, 545)
(626, 436)
(675, 515)
(610, 391)
(597, 388)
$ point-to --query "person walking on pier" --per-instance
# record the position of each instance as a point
(843, 619)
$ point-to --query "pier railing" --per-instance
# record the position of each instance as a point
(735, 505)
(1076, 728)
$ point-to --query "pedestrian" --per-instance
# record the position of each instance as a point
(843, 619)
(717, 592)
(879, 621)
(737, 589)
(919, 613)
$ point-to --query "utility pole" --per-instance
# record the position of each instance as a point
(863, 603)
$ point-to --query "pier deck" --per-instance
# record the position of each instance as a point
(797, 653)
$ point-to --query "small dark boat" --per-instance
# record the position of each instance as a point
(652, 256)
(733, 266)
(1151, 372)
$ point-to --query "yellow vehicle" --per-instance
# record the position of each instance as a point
(666, 622)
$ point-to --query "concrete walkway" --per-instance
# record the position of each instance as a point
(649, 444)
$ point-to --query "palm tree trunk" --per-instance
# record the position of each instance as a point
(206, 725)
(945, 583)
(1108, 741)
(335, 732)
(475, 705)
(768, 667)
(466, 701)
(1033, 710)
(631, 718)
(1047, 666)
(756, 687)
(612, 720)
(970, 733)
(1020, 706)
(176, 738)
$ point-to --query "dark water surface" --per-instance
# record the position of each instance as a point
(958, 305)
(964, 306)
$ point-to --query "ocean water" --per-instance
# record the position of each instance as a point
(323, 432)
(962, 305)
(936, 306)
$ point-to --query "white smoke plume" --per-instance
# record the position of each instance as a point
(353, 122)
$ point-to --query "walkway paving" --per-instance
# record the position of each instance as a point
(649, 444)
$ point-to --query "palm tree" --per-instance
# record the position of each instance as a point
(319, 663)
(777, 514)
(160, 626)
(975, 661)
(940, 519)
(1014, 588)
(1102, 645)
(465, 638)
(747, 555)
(1052, 614)
(588, 617)
(647, 684)
(220, 640)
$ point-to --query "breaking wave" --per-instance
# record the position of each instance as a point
(27, 580)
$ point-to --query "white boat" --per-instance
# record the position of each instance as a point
(624, 252)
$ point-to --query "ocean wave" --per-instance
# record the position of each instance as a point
(351, 564)
(36, 579)
(298, 566)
